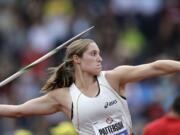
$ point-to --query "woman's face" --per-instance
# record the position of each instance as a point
(91, 60)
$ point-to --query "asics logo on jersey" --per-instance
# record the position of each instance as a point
(107, 104)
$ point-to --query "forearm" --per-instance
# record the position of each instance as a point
(9, 111)
(167, 66)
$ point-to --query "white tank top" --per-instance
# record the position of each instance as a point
(105, 114)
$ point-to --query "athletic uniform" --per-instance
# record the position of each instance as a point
(105, 114)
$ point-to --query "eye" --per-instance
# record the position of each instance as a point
(93, 53)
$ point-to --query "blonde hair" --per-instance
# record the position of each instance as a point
(63, 75)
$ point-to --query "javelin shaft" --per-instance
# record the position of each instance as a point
(30, 66)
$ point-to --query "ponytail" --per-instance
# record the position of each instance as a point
(63, 76)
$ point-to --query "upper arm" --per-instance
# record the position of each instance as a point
(125, 74)
(39, 106)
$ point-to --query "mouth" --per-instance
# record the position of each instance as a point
(99, 66)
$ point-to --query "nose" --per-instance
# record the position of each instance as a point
(99, 58)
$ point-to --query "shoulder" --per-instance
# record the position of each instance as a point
(59, 92)
(59, 95)
(111, 75)
(113, 80)
(118, 70)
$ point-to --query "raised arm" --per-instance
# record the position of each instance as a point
(125, 74)
(38, 106)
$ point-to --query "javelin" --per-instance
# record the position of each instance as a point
(52, 52)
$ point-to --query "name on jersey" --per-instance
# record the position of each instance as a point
(111, 129)
(107, 104)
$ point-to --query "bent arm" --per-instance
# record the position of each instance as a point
(125, 74)
(38, 106)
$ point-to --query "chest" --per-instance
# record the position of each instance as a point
(96, 108)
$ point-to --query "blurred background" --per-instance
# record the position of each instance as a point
(128, 32)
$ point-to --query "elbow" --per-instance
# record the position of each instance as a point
(162, 67)
(15, 115)
(157, 65)
(12, 111)
(18, 115)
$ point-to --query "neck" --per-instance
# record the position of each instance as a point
(83, 80)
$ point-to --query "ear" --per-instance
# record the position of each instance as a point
(76, 59)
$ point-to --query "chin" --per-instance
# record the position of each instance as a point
(98, 72)
(95, 72)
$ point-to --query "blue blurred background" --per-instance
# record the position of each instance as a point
(128, 32)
